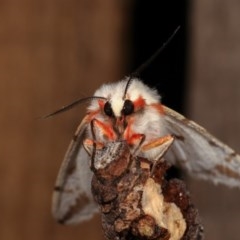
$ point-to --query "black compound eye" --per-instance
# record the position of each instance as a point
(128, 107)
(108, 109)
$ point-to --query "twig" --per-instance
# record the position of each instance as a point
(137, 202)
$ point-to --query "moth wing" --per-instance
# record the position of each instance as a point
(72, 199)
(200, 153)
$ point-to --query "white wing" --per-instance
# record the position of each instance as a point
(72, 198)
(200, 153)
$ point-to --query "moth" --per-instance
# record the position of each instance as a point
(131, 111)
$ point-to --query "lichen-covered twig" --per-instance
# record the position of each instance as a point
(137, 202)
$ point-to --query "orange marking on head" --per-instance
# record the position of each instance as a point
(139, 103)
(158, 107)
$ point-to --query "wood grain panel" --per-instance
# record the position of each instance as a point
(214, 101)
(51, 52)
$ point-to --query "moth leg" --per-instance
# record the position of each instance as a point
(100, 132)
(135, 142)
(101, 129)
(89, 144)
(159, 145)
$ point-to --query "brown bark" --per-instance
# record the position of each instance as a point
(138, 202)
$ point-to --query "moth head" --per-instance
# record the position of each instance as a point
(117, 100)
(121, 102)
(124, 99)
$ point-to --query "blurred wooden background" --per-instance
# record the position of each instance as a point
(52, 52)
(214, 102)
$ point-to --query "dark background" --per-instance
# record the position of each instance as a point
(152, 24)
(53, 52)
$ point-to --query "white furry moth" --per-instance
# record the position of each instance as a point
(129, 110)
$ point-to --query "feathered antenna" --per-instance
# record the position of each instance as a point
(71, 105)
(144, 65)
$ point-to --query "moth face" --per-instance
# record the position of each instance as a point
(119, 108)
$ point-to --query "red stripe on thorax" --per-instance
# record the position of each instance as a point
(158, 107)
(139, 103)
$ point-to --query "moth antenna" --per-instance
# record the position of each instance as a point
(72, 105)
(144, 65)
(127, 86)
